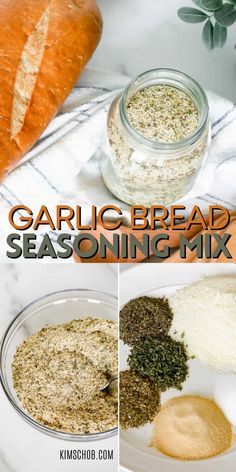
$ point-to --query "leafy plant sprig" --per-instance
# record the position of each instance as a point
(216, 15)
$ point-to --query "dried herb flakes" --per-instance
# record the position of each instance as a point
(163, 360)
(143, 317)
(139, 400)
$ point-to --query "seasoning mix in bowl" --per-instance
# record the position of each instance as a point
(158, 135)
(56, 358)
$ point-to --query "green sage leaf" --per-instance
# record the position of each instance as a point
(192, 15)
(226, 16)
(207, 35)
(219, 35)
(232, 1)
(212, 5)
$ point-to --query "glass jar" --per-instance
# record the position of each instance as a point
(139, 170)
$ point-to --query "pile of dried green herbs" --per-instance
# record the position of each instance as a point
(157, 362)
(139, 400)
(144, 316)
(163, 360)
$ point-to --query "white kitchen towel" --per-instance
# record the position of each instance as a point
(64, 166)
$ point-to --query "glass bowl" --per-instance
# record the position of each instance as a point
(55, 308)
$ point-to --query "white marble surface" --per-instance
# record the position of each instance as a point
(23, 449)
(140, 35)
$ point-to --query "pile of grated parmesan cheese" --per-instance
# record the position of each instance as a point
(205, 318)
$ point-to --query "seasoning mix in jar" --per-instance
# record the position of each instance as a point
(158, 136)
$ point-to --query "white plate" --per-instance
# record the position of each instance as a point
(135, 453)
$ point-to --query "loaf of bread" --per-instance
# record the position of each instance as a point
(44, 46)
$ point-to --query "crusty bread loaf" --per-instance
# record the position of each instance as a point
(44, 46)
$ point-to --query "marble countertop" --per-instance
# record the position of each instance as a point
(22, 448)
(140, 35)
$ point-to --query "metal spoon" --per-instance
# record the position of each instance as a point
(108, 384)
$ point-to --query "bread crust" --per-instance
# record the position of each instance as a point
(74, 30)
